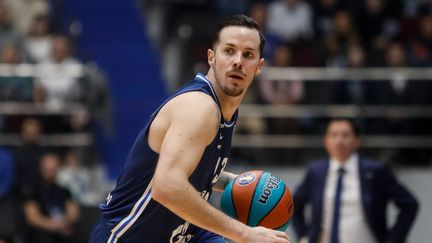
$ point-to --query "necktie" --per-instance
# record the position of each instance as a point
(337, 204)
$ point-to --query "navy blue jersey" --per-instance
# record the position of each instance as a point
(132, 214)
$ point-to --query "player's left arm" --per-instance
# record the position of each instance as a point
(223, 181)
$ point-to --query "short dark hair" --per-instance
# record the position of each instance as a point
(355, 126)
(238, 20)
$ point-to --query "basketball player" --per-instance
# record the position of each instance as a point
(179, 156)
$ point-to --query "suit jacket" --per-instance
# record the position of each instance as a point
(378, 187)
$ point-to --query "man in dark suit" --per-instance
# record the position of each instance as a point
(349, 195)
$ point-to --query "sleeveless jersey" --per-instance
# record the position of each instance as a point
(132, 214)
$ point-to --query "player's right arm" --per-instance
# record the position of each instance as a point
(180, 133)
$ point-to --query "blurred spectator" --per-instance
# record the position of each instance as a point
(396, 57)
(281, 91)
(353, 90)
(323, 12)
(31, 130)
(97, 98)
(349, 195)
(343, 35)
(376, 26)
(60, 86)
(399, 90)
(27, 155)
(421, 46)
(7, 32)
(392, 92)
(415, 8)
(14, 88)
(231, 7)
(259, 12)
(24, 11)
(7, 204)
(290, 20)
(38, 42)
(87, 183)
(10, 54)
(79, 121)
(49, 209)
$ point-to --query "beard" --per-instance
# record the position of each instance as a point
(229, 89)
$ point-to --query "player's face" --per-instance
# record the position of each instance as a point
(235, 59)
(340, 140)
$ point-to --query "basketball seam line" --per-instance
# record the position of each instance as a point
(232, 200)
(292, 202)
(253, 197)
(288, 218)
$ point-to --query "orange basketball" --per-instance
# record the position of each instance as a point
(258, 198)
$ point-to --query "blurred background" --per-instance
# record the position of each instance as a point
(79, 78)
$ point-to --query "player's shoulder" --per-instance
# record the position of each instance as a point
(192, 109)
(196, 113)
(195, 102)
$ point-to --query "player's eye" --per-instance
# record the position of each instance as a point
(229, 51)
(248, 55)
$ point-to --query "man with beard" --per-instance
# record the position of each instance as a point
(179, 157)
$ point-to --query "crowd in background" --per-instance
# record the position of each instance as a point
(315, 32)
(48, 193)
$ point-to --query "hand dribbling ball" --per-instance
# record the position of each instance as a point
(258, 198)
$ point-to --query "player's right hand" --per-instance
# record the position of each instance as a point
(264, 235)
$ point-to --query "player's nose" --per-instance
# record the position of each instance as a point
(237, 62)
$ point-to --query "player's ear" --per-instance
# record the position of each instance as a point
(260, 66)
(210, 57)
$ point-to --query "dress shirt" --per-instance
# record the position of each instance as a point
(353, 227)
